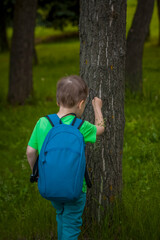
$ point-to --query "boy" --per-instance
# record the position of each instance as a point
(71, 96)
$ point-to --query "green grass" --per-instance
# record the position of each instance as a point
(24, 214)
(44, 32)
(56, 60)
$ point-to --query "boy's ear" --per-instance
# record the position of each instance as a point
(57, 104)
(80, 104)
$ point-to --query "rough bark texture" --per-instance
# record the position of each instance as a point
(102, 66)
(21, 60)
(3, 33)
(158, 5)
(135, 42)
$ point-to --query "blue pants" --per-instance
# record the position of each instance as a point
(69, 218)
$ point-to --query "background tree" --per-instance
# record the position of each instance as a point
(102, 66)
(135, 43)
(21, 59)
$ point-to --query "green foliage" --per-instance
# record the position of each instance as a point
(58, 13)
(23, 213)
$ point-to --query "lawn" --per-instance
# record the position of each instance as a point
(24, 214)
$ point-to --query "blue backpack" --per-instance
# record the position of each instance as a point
(62, 163)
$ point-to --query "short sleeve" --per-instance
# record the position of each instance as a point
(33, 139)
(89, 132)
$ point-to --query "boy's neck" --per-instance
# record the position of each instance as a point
(64, 111)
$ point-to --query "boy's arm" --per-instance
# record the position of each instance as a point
(31, 156)
(99, 122)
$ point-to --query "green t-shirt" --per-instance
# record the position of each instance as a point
(43, 126)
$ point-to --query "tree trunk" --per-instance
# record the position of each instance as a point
(158, 5)
(135, 42)
(21, 60)
(3, 33)
(102, 66)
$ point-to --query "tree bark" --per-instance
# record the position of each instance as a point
(102, 66)
(135, 43)
(3, 34)
(21, 59)
(158, 5)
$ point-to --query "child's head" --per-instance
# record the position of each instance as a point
(71, 90)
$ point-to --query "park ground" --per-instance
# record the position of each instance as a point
(23, 213)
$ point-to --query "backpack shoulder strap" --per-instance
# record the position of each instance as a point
(78, 123)
(53, 119)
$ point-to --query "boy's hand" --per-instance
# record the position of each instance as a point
(97, 103)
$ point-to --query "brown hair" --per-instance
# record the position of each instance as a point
(71, 90)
